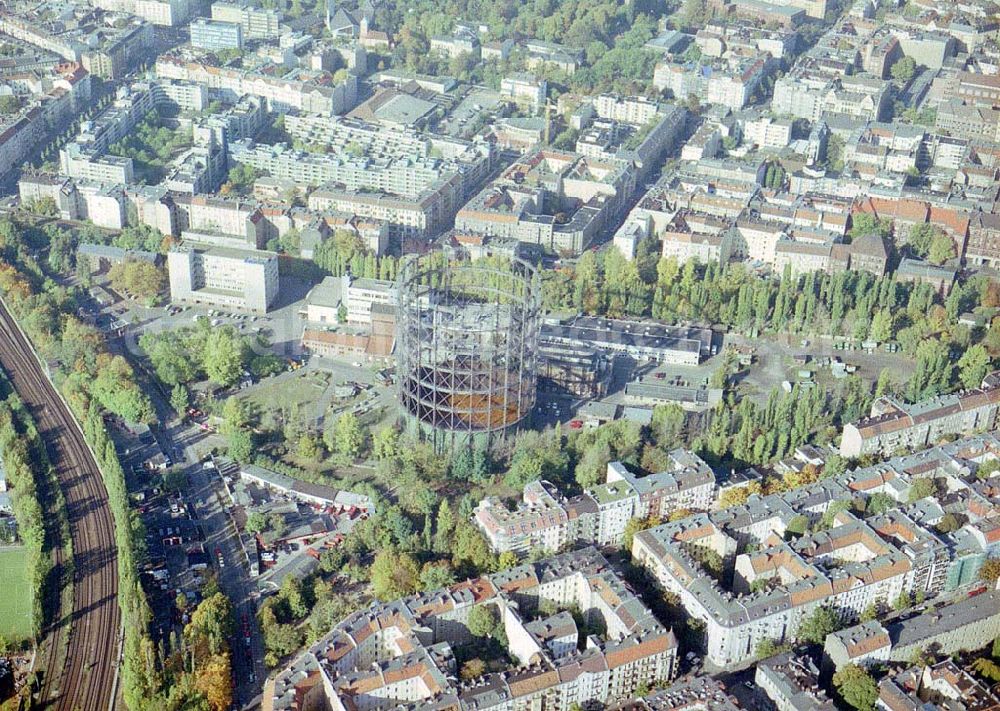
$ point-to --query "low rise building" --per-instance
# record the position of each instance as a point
(942, 685)
(639, 339)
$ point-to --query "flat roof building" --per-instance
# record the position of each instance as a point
(221, 276)
(647, 340)
(214, 35)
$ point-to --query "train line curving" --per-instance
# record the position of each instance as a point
(90, 631)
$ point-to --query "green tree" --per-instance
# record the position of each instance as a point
(385, 442)
(693, 14)
(863, 223)
(240, 445)
(879, 503)
(973, 366)
(798, 526)
(949, 523)
(294, 596)
(989, 571)
(941, 250)
(902, 71)
(256, 522)
(881, 326)
(870, 613)
(332, 560)
(768, 648)
(482, 620)
(308, 447)
(473, 669)
(856, 687)
(986, 668)
(235, 415)
(506, 560)
(933, 370)
(212, 620)
(394, 575)
(179, 399)
(593, 466)
(434, 576)
(818, 625)
(921, 488)
(347, 435)
(223, 356)
(902, 601)
(9, 104)
(470, 551)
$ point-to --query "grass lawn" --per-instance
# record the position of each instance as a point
(16, 602)
(300, 389)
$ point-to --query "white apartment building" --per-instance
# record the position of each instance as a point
(281, 93)
(545, 519)
(766, 132)
(634, 110)
(166, 13)
(360, 295)
(705, 247)
(219, 276)
(525, 89)
(257, 22)
(758, 239)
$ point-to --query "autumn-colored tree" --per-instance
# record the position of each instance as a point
(473, 669)
(214, 680)
(394, 575)
(990, 571)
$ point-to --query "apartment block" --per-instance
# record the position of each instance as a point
(792, 683)
(729, 84)
(526, 203)
(939, 686)
(963, 626)
(220, 276)
(747, 578)
(526, 89)
(777, 584)
(400, 655)
(806, 94)
(894, 425)
(311, 92)
(983, 247)
(256, 22)
(547, 520)
(63, 92)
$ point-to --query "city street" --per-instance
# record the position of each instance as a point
(206, 496)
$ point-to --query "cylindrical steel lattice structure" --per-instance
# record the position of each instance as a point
(467, 347)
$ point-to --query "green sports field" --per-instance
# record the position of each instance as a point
(15, 603)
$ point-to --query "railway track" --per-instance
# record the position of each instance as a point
(86, 682)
